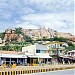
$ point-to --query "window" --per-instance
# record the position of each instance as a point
(68, 53)
(55, 45)
(37, 51)
(60, 51)
(41, 51)
(60, 44)
(72, 53)
(49, 46)
(27, 51)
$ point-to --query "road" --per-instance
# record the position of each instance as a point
(63, 72)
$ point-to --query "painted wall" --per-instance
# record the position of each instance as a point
(29, 50)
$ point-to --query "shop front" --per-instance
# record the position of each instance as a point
(9, 59)
(38, 60)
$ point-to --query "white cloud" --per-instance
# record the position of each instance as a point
(52, 5)
(60, 22)
(27, 25)
(56, 14)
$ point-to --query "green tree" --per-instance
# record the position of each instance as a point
(60, 39)
(28, 39)
(6, 47)
(18, 30)
(18, 48)
(2, 35)
(70, 44)
(69, 48)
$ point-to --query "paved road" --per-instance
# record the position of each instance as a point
(63, 72)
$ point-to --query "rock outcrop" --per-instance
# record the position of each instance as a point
(11, 34)
(47, 33)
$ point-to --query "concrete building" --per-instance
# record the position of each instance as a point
(71, 54)
(36, 54)
(10, 57)
(55, 48)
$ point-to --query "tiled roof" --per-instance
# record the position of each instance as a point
(13, 56)
(9, 52)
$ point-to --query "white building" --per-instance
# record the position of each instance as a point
(10, 57)
(71, 54)
(36, 53)
(55, 48)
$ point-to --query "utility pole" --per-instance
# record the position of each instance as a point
(57, 52)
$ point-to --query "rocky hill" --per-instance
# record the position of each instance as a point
(10, 35)
(19, 37)
(20, 34)
(40, 33)
(46, 33)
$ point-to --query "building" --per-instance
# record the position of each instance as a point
(55, 48)
(10, 57)
(33, 54)
(71, 54)
(69, 57)
(36, 54)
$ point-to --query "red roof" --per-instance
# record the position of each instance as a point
(9, 52)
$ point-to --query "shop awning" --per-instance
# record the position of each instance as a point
(35, 56)
(12, 56)
(67, 57)
(32, 56)
(45, 57)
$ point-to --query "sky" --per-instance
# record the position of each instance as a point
(33, 14)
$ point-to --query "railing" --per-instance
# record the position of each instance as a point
(29, 70)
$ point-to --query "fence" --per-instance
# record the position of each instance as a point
(25, 71)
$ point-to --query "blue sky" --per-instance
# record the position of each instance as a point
(55, 14)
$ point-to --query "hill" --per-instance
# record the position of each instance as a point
(46, 33)
(17, 38)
